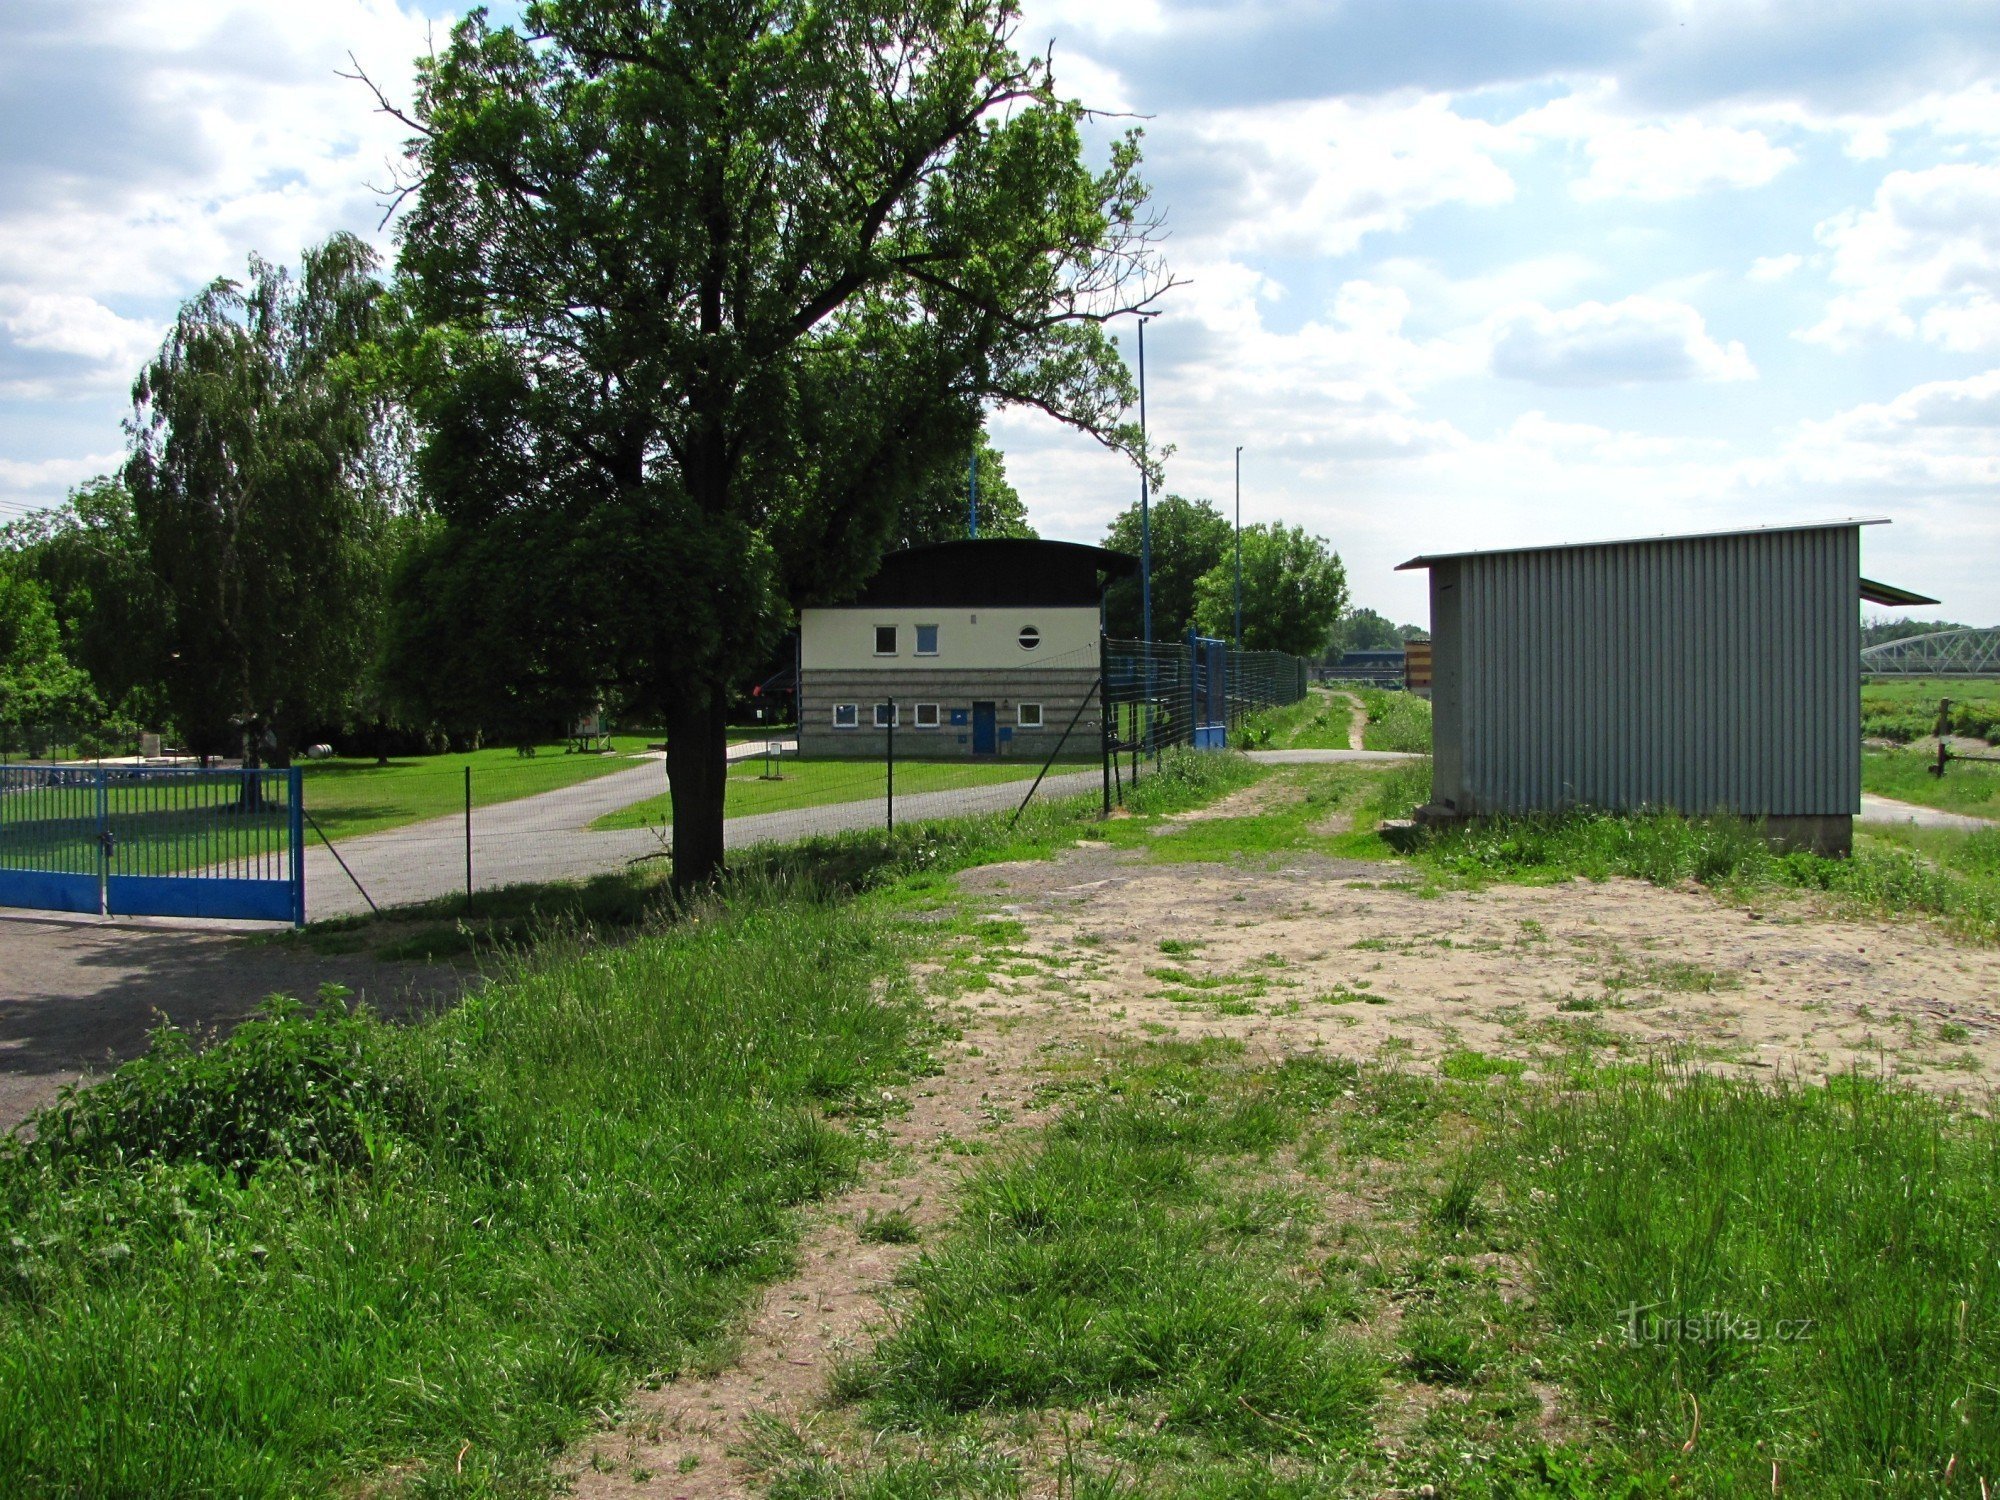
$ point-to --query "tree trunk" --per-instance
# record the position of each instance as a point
(697, 776)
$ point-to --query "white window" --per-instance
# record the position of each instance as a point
(1030, 638)
(927, 716)
(885, 640)
(846, 716)
(886, 714)
(927, 640)
(1029, 716)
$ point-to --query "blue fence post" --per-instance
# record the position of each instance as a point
(296, 785)
(103, 842)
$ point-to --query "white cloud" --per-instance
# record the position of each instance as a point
(26, 486)
(1774, 267)
(60, 344)
(174, 137)
(1923, 261)
(1633, 340)
(1644, 158)
(1315, 178)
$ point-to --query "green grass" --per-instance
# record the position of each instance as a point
(1942, 874)
(328, 1247)
(818, 783)
(1396, 721)
(1813, 1267)
(349, 798)
(1966, 787)
(1127, 1262)
(1905, 709)
(1213, 1276)
(1318, 721)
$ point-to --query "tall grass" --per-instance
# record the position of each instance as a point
(1812, 1268)
(327, 1247)
(1949, 876)
(1396, 721)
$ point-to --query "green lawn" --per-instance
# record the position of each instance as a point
(818, 783)
(1217, 1276)
(1966, 786)
(352, 797)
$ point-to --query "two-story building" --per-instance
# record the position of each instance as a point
(973, 648)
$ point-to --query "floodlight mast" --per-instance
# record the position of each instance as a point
(1145, 502)
(1239, 546)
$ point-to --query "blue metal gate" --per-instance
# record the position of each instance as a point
(1208, 692)
(134, 841)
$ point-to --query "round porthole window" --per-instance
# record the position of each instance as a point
(1030, 638)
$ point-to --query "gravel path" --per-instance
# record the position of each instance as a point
(1888, 811)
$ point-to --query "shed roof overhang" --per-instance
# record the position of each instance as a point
(1888, 593)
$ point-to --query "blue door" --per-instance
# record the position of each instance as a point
(984, 740)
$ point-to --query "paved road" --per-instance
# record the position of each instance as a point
(1888, 811)
(549, 837)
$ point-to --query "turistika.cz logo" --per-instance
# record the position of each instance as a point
(1641, 1324)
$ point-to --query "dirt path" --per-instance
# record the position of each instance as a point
(1357, 721)
(1293, 954)
(688, 1439)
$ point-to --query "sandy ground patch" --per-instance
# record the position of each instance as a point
(1309, 952)
(1294, 954)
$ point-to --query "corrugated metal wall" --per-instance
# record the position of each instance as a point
(1707, 674)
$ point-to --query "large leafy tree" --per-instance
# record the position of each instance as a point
(1294, 591)
(1189, 538)
(937, 510)
(713, 286)
(41, 690)
(87, 557)
(263, 478)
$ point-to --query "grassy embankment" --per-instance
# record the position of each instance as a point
(1214, 1276)
(822, 783)
(1320, 721)
(1906, 714)
(329, 1248)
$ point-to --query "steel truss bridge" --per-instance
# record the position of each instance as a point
(1942, 653)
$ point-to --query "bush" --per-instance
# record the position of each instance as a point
(321, 1088)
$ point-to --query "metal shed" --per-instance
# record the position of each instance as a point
(1710, 673)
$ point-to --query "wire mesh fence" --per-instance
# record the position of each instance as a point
(380, 837)
(1193, 692)
(382, 833)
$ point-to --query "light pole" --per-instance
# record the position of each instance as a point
(1239, 546)
(1145, 503)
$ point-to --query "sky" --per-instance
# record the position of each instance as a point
(1453, 275)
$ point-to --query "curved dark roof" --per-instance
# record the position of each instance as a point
(995, 571)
